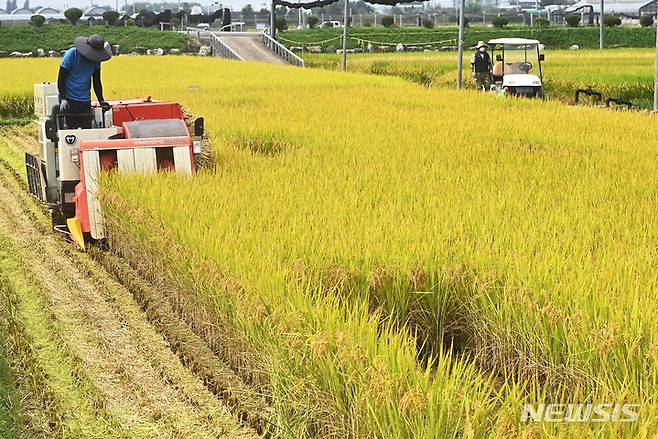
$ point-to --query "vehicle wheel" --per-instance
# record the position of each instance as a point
(539, 93)
(57, 217)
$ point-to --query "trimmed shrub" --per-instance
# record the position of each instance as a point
(573, 20)
(387, 21)
(312, 21)
(110, 17)
(281, 24)
(646, 20)
(73, 15)
(542, 22)
(500, 22)
(37, 20)
(427, 23)
(611, 21)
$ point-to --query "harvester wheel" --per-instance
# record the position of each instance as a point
(57, 217)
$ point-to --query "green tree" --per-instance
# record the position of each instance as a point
(37, 20)
(473, 7)
(646, 20)
(573, 20)
(312, 21)
(146, 18)
(542, 22)
(110, 17)
(73, 15)
(611, 21)
(248, 13)
(281, 24)
(387, 21)
(500, 22)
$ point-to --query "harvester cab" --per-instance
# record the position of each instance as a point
(514, 72)
(143, 136)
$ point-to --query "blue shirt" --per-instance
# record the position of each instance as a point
(78, 81)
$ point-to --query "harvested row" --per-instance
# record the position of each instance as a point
(86, 361)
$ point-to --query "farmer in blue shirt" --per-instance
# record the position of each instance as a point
(80, 65)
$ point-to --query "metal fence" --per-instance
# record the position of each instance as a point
(219, 48)
(282, 51)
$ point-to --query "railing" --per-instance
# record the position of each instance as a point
(219, 48)
(282, 51)
(238, 26)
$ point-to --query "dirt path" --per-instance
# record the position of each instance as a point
(128, 381)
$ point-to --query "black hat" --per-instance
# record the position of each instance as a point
(94, 48)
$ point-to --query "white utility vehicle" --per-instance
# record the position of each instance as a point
(511, 71)
(333, 23)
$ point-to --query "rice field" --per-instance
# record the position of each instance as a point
(388, 260)
(626, 73)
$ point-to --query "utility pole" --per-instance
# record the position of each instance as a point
(655, 79)
(345, 32)
(273, 20)
(460, 45)
(601, 27)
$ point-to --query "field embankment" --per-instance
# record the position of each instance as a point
(60, 36)
(554, 37)
(379, 262)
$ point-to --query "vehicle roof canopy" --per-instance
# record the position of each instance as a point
(514, 43)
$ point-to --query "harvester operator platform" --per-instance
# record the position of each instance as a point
(80, 66)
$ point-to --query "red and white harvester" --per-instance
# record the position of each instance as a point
(142, 136)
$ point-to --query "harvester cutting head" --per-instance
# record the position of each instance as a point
(141, 136)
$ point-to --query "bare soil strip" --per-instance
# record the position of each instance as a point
(143, 388)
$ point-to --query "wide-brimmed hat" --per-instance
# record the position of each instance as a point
(94, 48)
(481, 44)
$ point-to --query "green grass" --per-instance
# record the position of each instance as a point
(552, 37)
(60, 36)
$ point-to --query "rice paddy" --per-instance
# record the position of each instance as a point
(386, 260)
(625, 73)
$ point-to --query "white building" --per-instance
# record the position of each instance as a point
(630, 8)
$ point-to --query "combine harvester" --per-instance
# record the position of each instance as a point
(130, 136)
